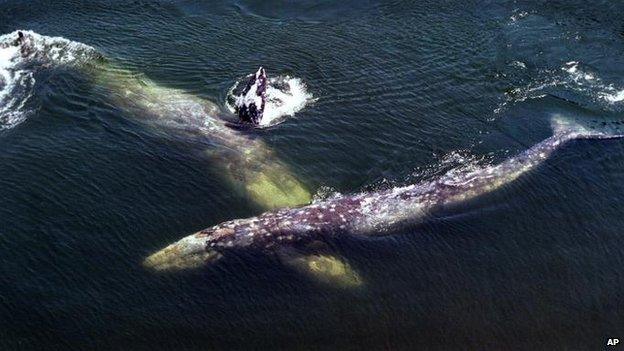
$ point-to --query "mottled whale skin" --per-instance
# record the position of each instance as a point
(375, 213)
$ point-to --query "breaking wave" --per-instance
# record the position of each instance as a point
(20, 60)
(285, 96)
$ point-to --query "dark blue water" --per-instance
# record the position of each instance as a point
(405, 91)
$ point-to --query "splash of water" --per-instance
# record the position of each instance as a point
(285, 96)
(16, 86)
(19, 63)
(588, 81)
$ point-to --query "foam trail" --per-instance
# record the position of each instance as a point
(588, 82)
(573, 76)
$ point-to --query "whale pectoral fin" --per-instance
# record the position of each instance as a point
(322, 267)
(264, 180)
(274, 186)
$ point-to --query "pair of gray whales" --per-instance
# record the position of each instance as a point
(296, 233)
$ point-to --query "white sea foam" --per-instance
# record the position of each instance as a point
(18, 63)
(615, 96)
(588, 82)
(518, 15)
(325, 193)
(285, 96)
(571, 76)
(15, 88)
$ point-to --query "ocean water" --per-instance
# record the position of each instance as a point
(388, 93)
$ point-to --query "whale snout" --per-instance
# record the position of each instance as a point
(251, 102)
(260, 73)
(188, 253)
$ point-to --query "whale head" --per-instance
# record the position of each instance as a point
(189, 252)
(250, 103)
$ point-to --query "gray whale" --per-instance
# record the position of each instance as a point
(284, 232)
(252, 168)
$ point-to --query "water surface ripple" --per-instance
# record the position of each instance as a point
(405, 92)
